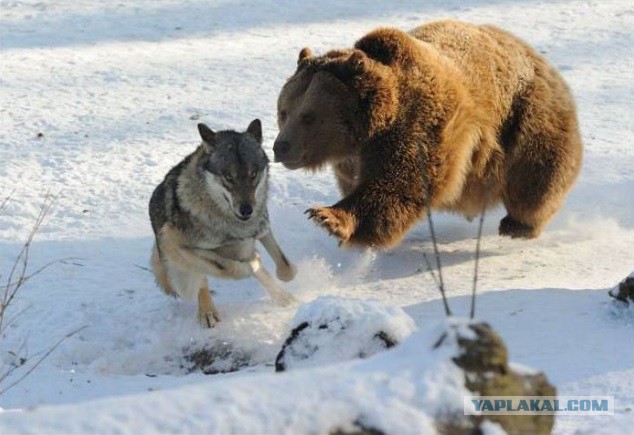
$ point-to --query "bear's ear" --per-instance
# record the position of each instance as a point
(305, 53)
(357, 59)
(386, 45)
(208, 136)
(255, 130)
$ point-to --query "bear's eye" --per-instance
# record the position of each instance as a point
(282, 115)
(308, 118)
(228, 178)
(253, 175)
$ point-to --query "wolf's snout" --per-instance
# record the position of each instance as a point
(281, 149)
(246, 211)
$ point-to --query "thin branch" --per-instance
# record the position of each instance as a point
(429, 268)
(477, 260)
(441, 284)
(12, 319)
(23, 256)
(21, 262)
(42, 358)
(13, 367)
(6, 200)
(25, 278)
(147, 269)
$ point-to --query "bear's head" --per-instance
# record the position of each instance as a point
(331, 105)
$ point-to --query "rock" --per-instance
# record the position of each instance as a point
(625, 290)
(358, 428)
(332, 329)
(215, 358)
(484, 359)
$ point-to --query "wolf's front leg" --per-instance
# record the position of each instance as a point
(220, 266)
(278, 295)
(207, 312)
(284, 269)
(375, 215)
(199, 260)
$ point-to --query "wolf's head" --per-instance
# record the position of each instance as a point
(235, 168)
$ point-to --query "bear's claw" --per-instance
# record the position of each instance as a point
(336, 222)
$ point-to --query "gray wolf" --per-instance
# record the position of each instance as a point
(207, 215)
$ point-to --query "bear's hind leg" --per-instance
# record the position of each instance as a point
(542, 163)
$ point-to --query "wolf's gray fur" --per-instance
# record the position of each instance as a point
(207, 214)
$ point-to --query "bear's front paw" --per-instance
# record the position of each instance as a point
(337, 222)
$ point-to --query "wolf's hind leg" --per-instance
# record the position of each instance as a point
(207, 312)
(278, 295)
(160, 273)
(285, 270)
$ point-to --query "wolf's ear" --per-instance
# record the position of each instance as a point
(304, 53)
(255, 130)
(207, 135)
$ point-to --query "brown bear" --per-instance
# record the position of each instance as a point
(456, 115)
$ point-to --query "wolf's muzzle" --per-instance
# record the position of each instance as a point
(245, 211)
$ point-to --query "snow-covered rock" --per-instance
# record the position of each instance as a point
(332, 329)
(397, 392)
(624, 292)
(418, 387)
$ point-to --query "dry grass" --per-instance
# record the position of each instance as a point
(18, 276)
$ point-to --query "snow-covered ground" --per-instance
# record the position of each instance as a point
(116, 90)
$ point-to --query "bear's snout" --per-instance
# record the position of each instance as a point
(281, 149)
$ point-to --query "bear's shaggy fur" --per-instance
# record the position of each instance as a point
(462, 116)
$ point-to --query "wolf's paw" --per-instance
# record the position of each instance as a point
(283, 298)
(337, 222)
(516, 230)
(286, 272)
(208, 319)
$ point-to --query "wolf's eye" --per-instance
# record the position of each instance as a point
(253, 175)
(228, 178)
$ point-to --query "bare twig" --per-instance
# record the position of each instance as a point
(147, 269)
(25, 278)
(20, 264)
(441, 284)
(6, 200)
(15, 281)
(42, 358)
(12, 319)
(429, 268)
(477, 260)
(21, 361)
